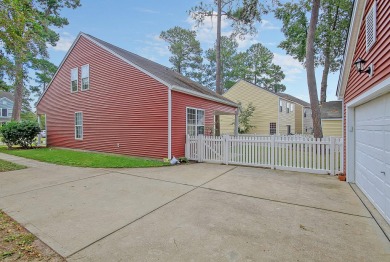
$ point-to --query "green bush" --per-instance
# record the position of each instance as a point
(20, 133)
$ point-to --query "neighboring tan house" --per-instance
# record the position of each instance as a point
(364, 86)
(332, 118)
(275, 113)
(104, 98)
(6, 106)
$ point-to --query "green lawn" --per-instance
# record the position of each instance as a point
(82, 159)
(8, 166)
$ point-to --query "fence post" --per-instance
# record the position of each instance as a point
(187, 147)
(226, 149)
(199, 147)
(273, 152)
(332, 160)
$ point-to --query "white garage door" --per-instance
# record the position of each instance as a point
(372, 125)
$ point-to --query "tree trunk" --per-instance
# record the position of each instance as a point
(310, 71)
(18, 90)
(218, 87)
(324, 81)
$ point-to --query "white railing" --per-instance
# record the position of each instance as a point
(296, 153)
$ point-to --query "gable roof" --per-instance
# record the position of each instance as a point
(163, 74)
(282, 95)
(8, 95)
(350, 45)
(331, 109)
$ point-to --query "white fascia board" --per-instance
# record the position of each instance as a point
(354, 29)
(197, 94)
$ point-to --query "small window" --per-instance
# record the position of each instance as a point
(4, 112)
(304, 113)
(272, 128)
(280, 106)
(78, 123)
(195, 121)
(371, 27)
(85, 77)
(288, 129)
(288, 108)
(74, 75)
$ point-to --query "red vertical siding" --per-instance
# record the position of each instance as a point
(379, 55)
(180, 102)
(123, 106)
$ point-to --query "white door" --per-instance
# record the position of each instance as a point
(372, 152)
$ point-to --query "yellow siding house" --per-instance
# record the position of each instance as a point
(275, 113)
(331, 118)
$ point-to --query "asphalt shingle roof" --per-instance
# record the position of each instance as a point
(8, 95)
(162, 72)
(331, 109)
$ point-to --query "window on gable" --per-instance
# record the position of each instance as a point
(74, 75)
(272, 128)
(85, 77)
(195, 121)
(78, 125)
(371, 27)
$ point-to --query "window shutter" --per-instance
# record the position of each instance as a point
(371, 27)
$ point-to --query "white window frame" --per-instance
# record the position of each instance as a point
(72, 79)
(280, 106)
(83, 76)
(196, 120)
(75, 126)
(1, 112)
(288, 107)
(292, 107)
(373, 11)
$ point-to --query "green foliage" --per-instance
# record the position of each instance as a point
(83, 159)
(244, 118)
(6, 166)
(28, 27)
(20, 133)
(186, 52)
(44, 72)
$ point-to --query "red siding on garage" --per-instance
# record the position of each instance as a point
(180, 102)
(123, 107)
(379, 55)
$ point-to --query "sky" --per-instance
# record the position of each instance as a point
(136, 25)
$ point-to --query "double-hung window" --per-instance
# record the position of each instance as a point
(272, 128)
(74, 76)
(280, 106)
(195, 121)
(85, 77)
(4, 112)
(78, 125)
(288, 108)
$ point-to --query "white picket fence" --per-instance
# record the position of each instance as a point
(295, 153)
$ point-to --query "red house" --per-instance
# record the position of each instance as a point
(104, 98)
(364, 86)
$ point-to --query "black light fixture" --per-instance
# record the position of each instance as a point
(359, 64)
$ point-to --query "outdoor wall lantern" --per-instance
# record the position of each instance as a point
(359, 64)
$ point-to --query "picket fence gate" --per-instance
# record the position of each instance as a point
(294, 153)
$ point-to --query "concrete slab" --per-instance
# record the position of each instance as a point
(70, 216)
(206, 225)
(16, 182)
(192, 174)
(320, 191)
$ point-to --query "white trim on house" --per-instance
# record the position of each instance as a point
(6, 98)
(375, 92)
(84, 66)
(354, 29)
(76, 69)
(331, 119)
(196, 118)
(170, 123)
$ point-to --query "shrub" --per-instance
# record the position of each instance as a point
(20, 133)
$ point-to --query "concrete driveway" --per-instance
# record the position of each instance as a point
(198, 212)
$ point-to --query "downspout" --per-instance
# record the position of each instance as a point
(169, 122)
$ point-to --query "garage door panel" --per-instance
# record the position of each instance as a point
(372, 152)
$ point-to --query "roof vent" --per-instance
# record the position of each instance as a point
(371, 27)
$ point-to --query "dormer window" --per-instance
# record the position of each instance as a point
(371, 27)
(74, 73)
(85, 77)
